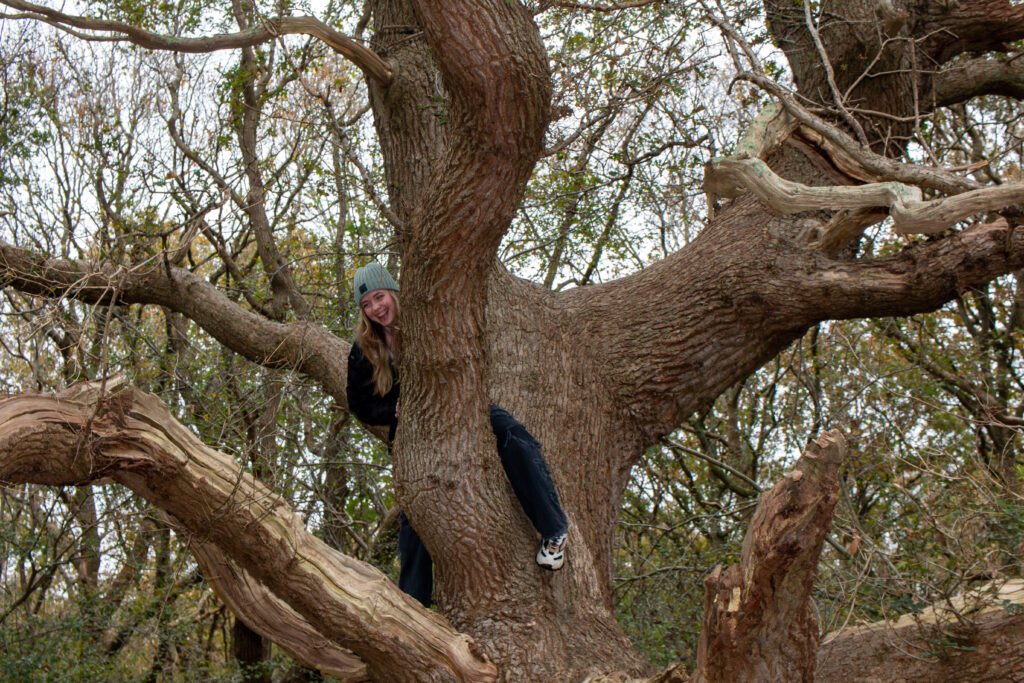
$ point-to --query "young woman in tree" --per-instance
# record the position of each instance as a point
(373, 392)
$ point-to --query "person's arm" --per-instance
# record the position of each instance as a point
(363, 401)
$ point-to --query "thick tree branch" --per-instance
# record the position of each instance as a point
(271, 617)
(302, 346)
(270, 29)
(920, 278)
(736, 308)
(977, 26)
(84, 436)
(495, 70)
(965, 80)
(974, 636)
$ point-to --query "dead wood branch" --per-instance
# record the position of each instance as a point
(758, 624)
(727, 177)
(88, 434)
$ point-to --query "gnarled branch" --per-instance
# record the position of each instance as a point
(85, 436)
(910, 213)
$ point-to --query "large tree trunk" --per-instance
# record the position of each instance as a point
(464, 171)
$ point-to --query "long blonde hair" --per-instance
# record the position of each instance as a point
(370, 337)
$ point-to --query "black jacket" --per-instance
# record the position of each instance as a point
(363, 400)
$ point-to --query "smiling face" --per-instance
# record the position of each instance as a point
(379, 306)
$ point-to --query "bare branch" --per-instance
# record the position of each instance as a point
(727, 177)
(302, 346)
(362, 57)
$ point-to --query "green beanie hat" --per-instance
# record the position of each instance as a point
(370, 278)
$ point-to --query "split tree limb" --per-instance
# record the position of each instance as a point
(758, 625)
(270, 29)
(272, 618)
(85, 436)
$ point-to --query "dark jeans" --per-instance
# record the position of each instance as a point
(531, 482)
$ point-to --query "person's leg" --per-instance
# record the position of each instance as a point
(528, 473)
(416, 572)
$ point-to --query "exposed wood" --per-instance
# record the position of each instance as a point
(843, 228)
(758, 624)
(879, 166)
(86, 435)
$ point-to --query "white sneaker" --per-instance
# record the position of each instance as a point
(552, 553)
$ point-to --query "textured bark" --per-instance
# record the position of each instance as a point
(758, 624)
(971, 638)
(476, 159)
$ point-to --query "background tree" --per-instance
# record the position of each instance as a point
(241, 211)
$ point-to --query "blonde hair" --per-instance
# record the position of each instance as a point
(370, 337)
